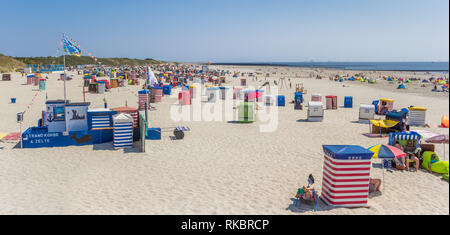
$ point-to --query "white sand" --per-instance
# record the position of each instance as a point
(219, 168)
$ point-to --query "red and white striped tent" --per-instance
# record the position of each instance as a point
(346, 175)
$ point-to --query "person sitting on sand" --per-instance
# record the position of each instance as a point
(400, 162)
(411, 150)
(374, 185)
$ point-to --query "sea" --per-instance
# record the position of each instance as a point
(441, 67)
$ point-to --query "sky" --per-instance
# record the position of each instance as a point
(231, 30)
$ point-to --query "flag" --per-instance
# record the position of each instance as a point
(151, 77)
(70, 47)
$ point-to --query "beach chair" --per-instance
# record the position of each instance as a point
(302, 195)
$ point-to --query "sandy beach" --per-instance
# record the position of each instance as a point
(219, 167)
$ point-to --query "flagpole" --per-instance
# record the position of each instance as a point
(148, 95)
(64, 62)
(65, 97)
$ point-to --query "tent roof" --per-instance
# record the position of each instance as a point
(122, 117)
(347, 152)
(384, 123)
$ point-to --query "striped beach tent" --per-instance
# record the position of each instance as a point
(123, 131)
(394, 137)
(346, 175)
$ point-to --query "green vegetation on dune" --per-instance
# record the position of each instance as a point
(9, 64)
(83, 60)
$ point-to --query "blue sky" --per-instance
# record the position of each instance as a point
(232, 30)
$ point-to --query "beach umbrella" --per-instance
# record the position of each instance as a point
(386, 152)
(439, 139)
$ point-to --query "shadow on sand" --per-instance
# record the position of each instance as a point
(238, 122)
(307, 206)
(110, 147)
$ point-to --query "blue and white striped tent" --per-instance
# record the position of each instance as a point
(100, 118)
(123, 131)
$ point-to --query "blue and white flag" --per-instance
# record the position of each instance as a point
(70, 47)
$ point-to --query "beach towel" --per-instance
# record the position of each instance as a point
(14, 136)
(440, 167)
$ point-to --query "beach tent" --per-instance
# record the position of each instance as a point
(212, 93)
(269, 100)
(417, 116)
(123, 131)
(348, 102)
(246, 112)
(385, 106)
(144, 99)
(342, 185)
(315, 111)
(401, 86)
(331, 102)
(366, 113)
(399, 116)
(405, 136)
